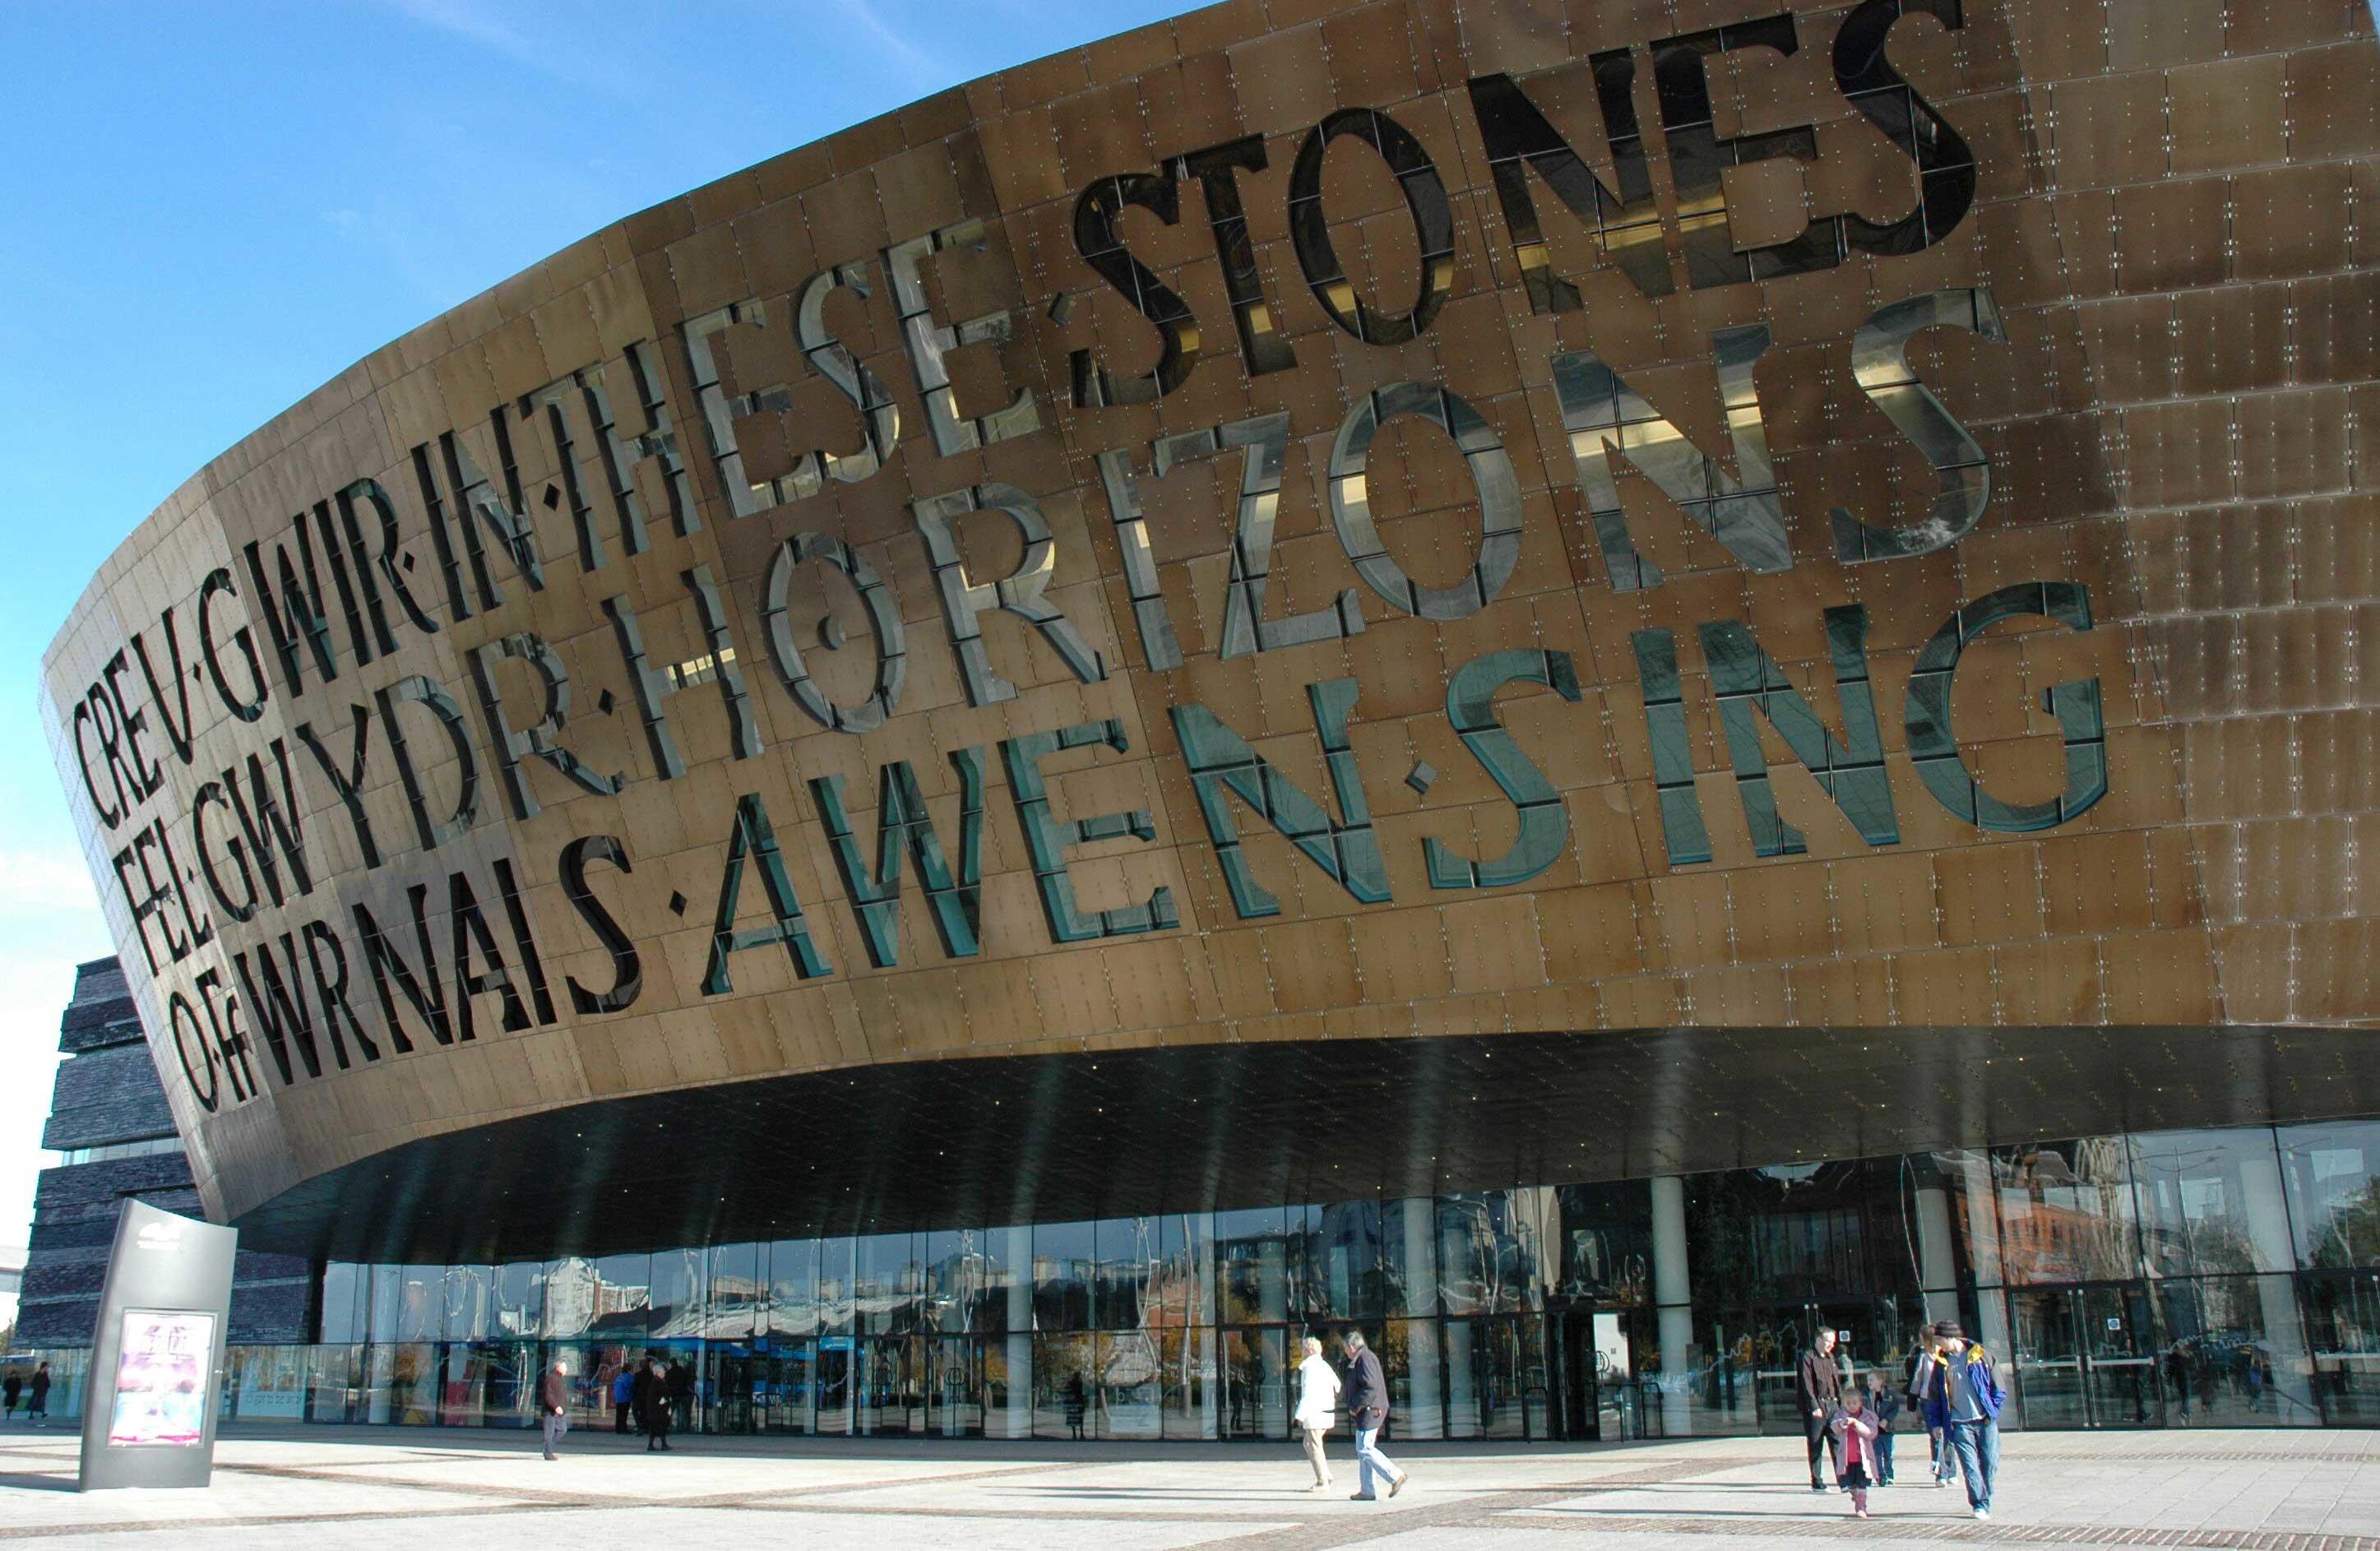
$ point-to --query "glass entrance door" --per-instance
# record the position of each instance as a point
(2086, 1356)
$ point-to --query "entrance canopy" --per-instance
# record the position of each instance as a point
(1048, 1138)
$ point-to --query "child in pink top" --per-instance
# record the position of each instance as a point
(1854, 1428)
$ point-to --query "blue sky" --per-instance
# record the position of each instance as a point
(213, 209)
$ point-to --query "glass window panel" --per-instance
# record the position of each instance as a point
(267, 1383)
(334, 1383)
(838, 1286)
(622, 1298)
(1409, 1256)
(677, 1293)
(1410, 1357)
(2342, 1311)
(1184, 1280)
(2328, 1172)
(465, 1290)
(890, 1283)
(794, 1288)
(420, 1302)
(2066, 1212)
(2230, 1359)
(1129, 1386)
(343, 1287)
(1251, 1267)
(1065, 1380)
(1192, 1388)
(517, 1298)
(1603, 1246)
(1256, 1383)
(1339, 1270)
(1064, 1261)
(570, 1297)
(738, 1294)
(957, 1276)
(1121, 1279)
(2211, 1202)
(403, 1380)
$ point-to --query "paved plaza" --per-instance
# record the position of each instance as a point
(363, 1487)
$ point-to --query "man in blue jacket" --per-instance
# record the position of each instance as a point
(1963, 1396)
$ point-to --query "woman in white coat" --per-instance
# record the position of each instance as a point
(1317, 1407)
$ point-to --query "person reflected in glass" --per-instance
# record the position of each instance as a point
(1079, 1403)
(679, 1378)
(1317, 1407)
(1367, 1407)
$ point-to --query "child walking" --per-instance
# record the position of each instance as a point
(1884, 1405)
(1854, 1425)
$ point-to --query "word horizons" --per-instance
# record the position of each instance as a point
(243, 836)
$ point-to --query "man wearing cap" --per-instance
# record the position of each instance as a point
(1964, 1398)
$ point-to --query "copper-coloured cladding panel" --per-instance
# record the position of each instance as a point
(932, 1145)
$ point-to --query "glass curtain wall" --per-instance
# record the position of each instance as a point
(2227, 1278)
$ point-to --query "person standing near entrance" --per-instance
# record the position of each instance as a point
(38, 1396)
(1967, 1397)
(1367, 1407)
(553, 1407)
(1816, 1386)
(1317, 1405)
(12, 1389)
(624, 1398)
(680, 1382)
(653, 1405)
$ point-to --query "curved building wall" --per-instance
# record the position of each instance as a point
(1330, 523)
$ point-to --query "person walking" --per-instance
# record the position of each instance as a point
(1969, 1400)
(1367, 1407)
(1817, 1386)
(11, 1389)
(653, 1405)
(38, 1396)
(1318, 1406)
(1853, 1428)
(680, 1382)
(624, 1398)
(1924, 1403)
(553, 1407)
(1884, 1404)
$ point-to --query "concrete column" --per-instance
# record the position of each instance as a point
(1017, 1254)
(2277, 1256)
(1982, 1198)
(1938, 1267)
(1673, 1304)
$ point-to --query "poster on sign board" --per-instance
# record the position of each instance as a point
(160, 1379)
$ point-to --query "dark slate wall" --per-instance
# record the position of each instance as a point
(109, 1094)
(109, 1091)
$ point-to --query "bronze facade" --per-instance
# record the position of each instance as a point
(1304, 523)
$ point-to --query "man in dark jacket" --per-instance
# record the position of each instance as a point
(1815, 1385)
(653, 1405)
(1367, 1398)
(553, 1406)
(37, 1401)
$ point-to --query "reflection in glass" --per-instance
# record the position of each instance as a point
(2066, 1212)
(2328, 1171)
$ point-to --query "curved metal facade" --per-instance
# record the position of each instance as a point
(1326, 523)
